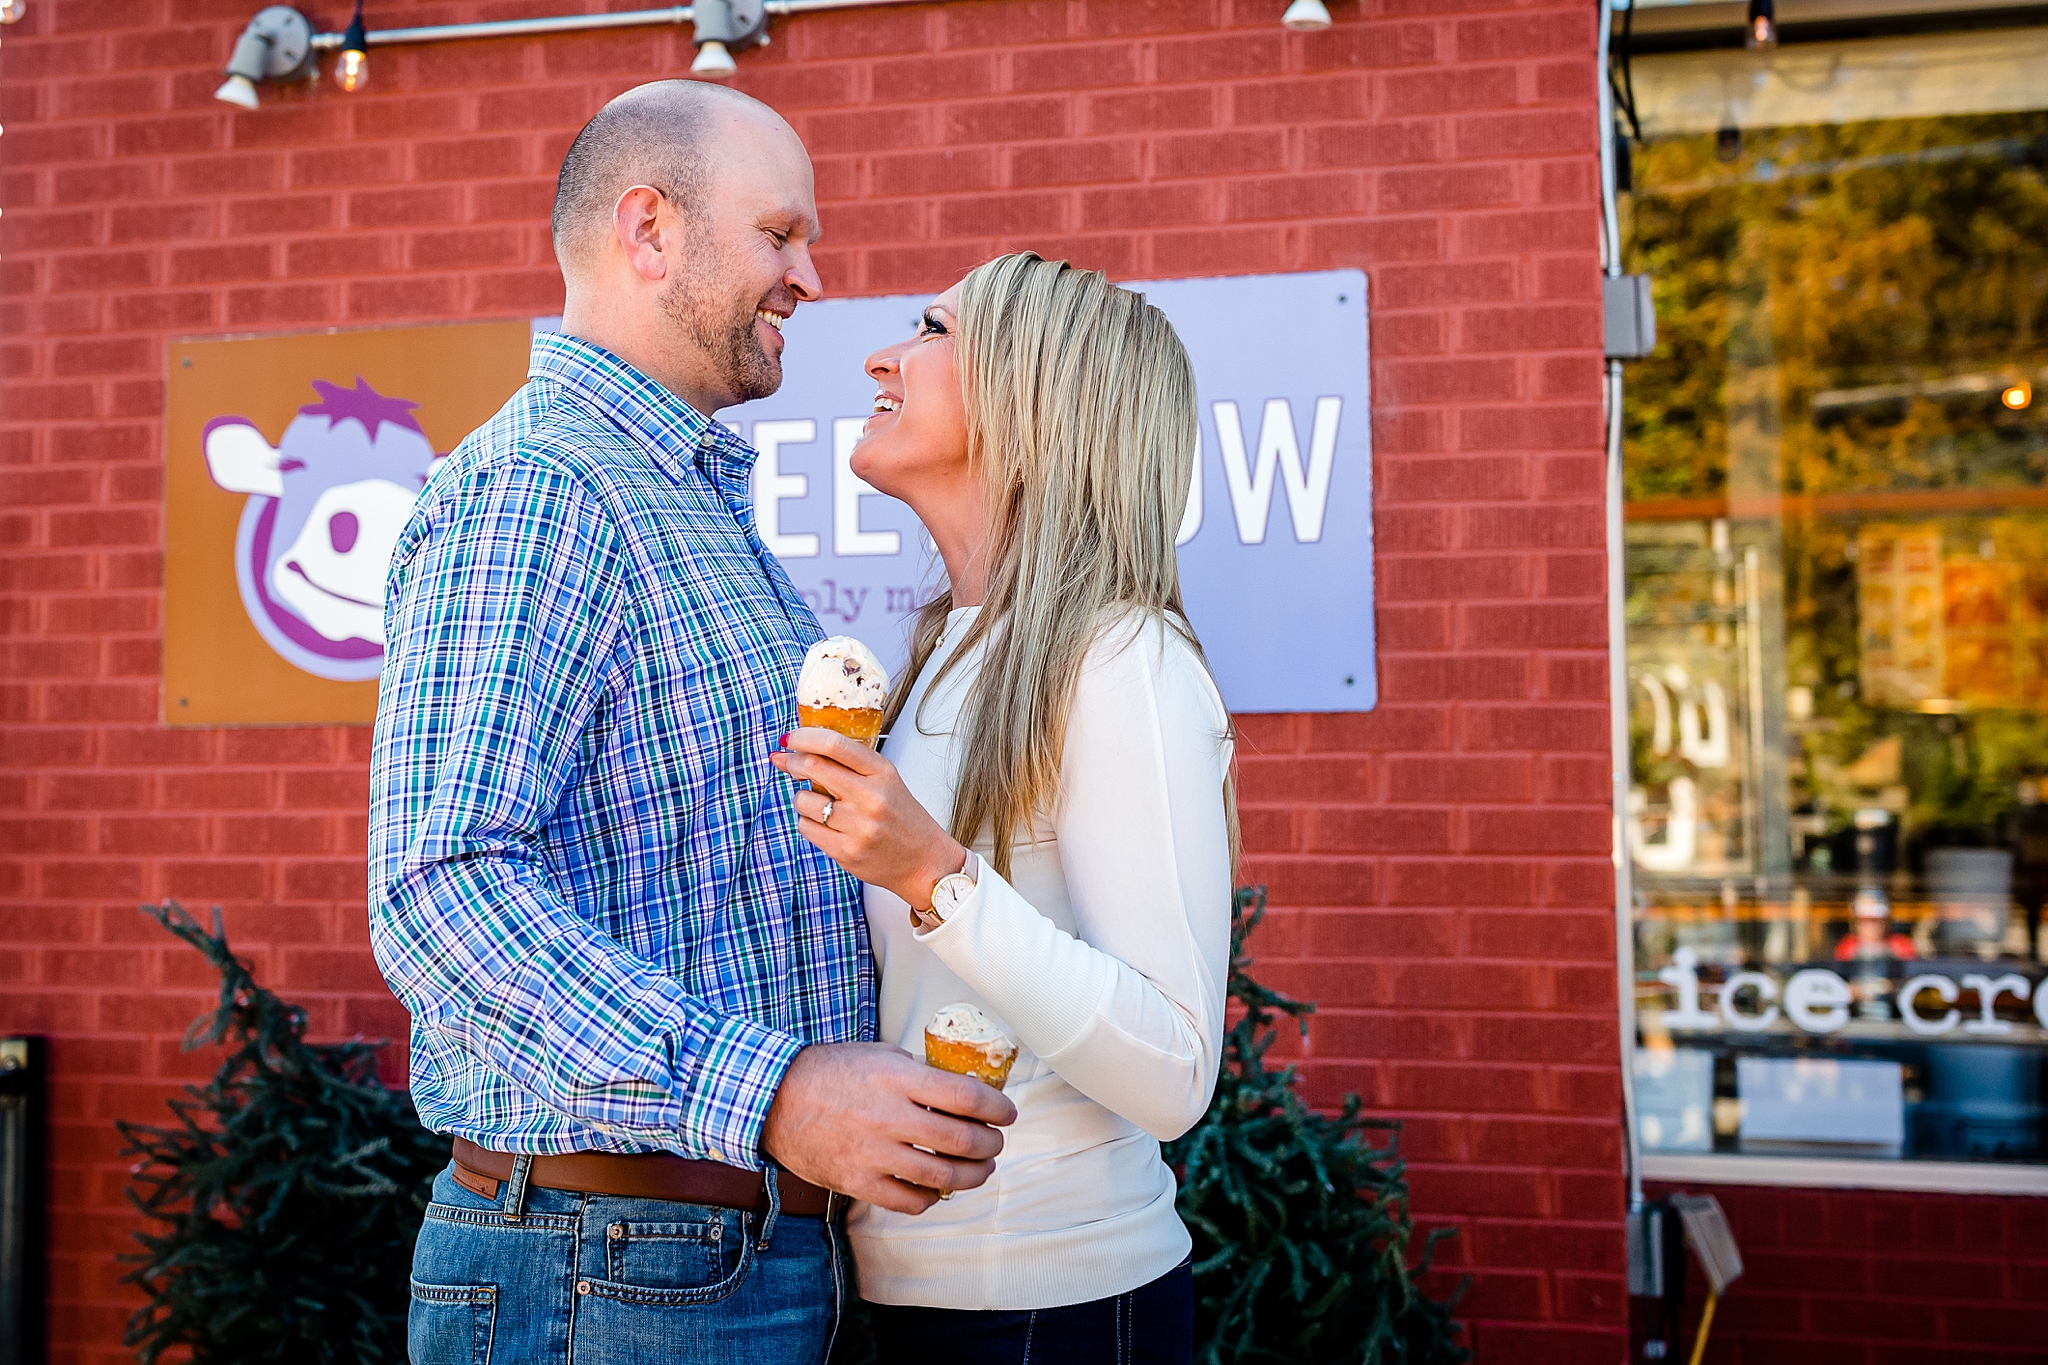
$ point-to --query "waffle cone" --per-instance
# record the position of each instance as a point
(862, 725)
(989, 1062)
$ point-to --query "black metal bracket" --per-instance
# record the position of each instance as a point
(24, 1118)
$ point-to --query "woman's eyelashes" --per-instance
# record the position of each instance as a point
(932, 326)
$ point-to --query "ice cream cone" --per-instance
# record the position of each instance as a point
(842, 687)
(862, 725)
(963, 1040)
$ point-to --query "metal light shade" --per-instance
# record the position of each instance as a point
(239, 91)
(713, 60)
(1306, 16)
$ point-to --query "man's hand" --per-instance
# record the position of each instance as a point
(851, 1117)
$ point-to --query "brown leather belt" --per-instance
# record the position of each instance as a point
(643, 1175)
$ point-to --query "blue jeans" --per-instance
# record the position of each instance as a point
(1154, 1324)
(541, 1275)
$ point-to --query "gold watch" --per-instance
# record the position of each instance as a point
(947, 895)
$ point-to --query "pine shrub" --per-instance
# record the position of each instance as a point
(289, 1190)
(1301, 1226)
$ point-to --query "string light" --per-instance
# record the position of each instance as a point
(1762, 33)
(355, 54)
(2018, 395)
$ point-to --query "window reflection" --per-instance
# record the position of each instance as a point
(1837, 540)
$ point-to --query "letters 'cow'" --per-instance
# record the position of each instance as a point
(326, 505)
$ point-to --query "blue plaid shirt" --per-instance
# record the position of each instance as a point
(586, 881)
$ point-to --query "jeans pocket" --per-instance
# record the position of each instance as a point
(451, 1324)
(674, 1262)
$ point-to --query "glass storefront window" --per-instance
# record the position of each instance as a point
(1836, 472)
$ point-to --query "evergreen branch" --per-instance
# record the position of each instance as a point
(287, 1190)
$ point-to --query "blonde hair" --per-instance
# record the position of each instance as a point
(1081, 422)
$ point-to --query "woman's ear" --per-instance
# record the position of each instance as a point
(637, 223)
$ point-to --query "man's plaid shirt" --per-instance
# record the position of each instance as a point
(586, 881)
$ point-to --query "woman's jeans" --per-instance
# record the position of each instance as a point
(1154, 1324)
(545, 1276)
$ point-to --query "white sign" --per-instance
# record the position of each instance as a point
(1276, 544)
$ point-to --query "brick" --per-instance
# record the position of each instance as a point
(1073, 67)
(933, 172)
(401, 298)
(295, 303)
(1506, 526)
(992, 215)
(1153, 205)
(1448, 90)
(1220, 250)
(404, 208)
(1151, 110)
(1024, 21)
(1529, 230)
(1074, 163)
(283, 213)
(1550, 427)
(1010, 120)
(1464, 187)
(1321, 196)
(1219, 58)
(1211, 154)
(867, 33)
(1378, 44)
(1533, 625)
(469, 158)
(1580, 728)
(1370, 243)
(217, 265)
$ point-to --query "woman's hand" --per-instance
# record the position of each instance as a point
(878, 831)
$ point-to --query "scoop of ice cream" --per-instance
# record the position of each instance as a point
(963, 1023)
(841, 671)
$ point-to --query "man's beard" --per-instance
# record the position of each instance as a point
(723, 330)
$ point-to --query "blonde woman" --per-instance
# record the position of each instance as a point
(1048, 832)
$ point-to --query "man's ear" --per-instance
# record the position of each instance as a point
(638, 223)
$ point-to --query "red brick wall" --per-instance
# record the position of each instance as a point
(1856, 1277)
(1438, 867)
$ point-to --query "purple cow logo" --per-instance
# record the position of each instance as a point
(325, 508)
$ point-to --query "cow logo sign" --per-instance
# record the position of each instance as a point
(325, 508)
(292, 463)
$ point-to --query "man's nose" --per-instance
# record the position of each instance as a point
(802, 278)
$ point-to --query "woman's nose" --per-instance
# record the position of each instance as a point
(883, 363)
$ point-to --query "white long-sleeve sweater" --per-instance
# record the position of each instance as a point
(1103, 956)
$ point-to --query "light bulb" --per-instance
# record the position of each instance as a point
(1762, 33)
(12, 11)
(713, 60)
(2018, 395)
(355, 54)
(1306, 16)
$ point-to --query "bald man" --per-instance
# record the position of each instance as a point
(641, 1003)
